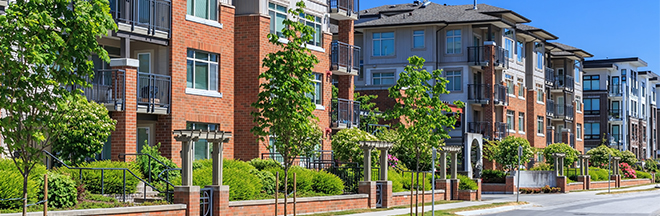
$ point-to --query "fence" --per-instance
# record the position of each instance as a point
(151, 14)
(154, 91)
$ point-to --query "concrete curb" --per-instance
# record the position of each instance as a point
(494, 210)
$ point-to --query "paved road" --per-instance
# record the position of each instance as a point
(587, 203)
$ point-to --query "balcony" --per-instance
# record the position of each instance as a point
(481, 127)
(344, 9)
(345, 59)
(499, 95)
(479, 57)
(615, 115)
(500, 131)
(615, 90)
(548, 137)
(154, 93)
(107, 89)
(564, 112)
(144, 17)
(549, 108)
(478, 93)
(345, 114)
(563, 83)
(549, 76)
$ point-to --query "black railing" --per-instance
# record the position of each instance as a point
(154, 15)
(616, 114)
(500, 95)
(549, 76)
(500, 130)
(480, 127)
(548, 137)
(549, 107)
(154, 91)
(500, 57)
(564, 82)
(478, 92)
(107, 88)
(352, 7)
(616, 90)
(478, 55)
(572, 139)
(345, 56)
(565, 111)
(345, 113)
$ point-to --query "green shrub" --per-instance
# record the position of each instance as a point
(263, 164)
(650, 166)
(37, 172)
(396, 179)
(233, 164)
(643, 175)
(327, 183)
(244, 183)
(572, 173)
(267, 180)
(62, 192)
(405, 180)
(600, 156)
(304, 178)
(628, 157)
(113, 179)
(345, 145)
(11, 186)
(466, 183)
(598, 174)
(571, 153)
(493, 176)
(155, 168)
(542, 167)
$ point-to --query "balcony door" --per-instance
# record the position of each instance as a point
(616, 85)
(143, 138)
(144, 62)
(560, 105)
(560, 76)
(558, 134)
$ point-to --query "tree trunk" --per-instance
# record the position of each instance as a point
(417, 186)
(25, 195)
(286, 184)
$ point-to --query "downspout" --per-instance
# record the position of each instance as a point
(437, 41)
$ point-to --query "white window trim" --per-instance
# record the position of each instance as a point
(521, 53)
(205, 92)
(314, 80)
(541, 135)
(382, 72)
(200, 20)
(309, 46)
(380, 39)
(453, 36)
(423, 35)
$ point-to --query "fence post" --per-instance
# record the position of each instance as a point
(294, 194)
(102, 182)
(423, 192)
(46, 194)
(277, 189)
(412, 177)
(124, 188)
(150, 169)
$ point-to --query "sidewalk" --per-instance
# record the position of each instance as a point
(427, 208)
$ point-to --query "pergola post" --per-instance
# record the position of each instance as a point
(383, 162)
(367, 162)
(443, 164)
(559, 163)
(186, 158)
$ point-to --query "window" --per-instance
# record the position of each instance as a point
(616, 133)
(592, 106)
(539, 95)
(201, 147)
(508, 45)
(521, 122)
(454, 44)
(578, 131)
(576, 68)
(578, 104)
(383, 78)
(317, 96)
(591, 82)
(538, 49)
(520, 49)
(202, 70)
(418, 39)
(509, 84)
(455, 80)
(521, 88)
(207, 9)
(315, 23)
(383, 44)
(539, 124)
(277, 16)
(591, 130)
(509, 120)
(144, 62)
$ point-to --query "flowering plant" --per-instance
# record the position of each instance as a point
(628, 172)
(393, 161)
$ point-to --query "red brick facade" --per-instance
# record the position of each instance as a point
(124, 138)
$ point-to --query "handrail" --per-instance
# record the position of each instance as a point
(123, 156)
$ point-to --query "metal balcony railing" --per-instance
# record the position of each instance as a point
(479, 93)
(480, 55)
(351, 7)
(344, 57)
(615, 90)
(154, 91)
(572, 139)
(566, 111)
(549, 136)
(480, 127)
(549, 76)
(616, 114)
(499, 95)
(150, 14)
(549, 107)
(108, 87)
(564, 82)
(345, 113)
(500, 131)
(500, 57)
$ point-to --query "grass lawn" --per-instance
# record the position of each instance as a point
(628, 191)
(357, 211)
(471, 208)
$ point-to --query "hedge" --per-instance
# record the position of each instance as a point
(466, 183)
(62, 192)
(493, 176)
(11, 184)
(311, 181)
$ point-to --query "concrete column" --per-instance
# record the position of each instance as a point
(383, 163)
(581, 162)
(217, 161)
(586, 166)
(187, 156)
(367, 163)
(443, 165)
(124, 138)
(454, 161)
(561, 166)
(556, 165)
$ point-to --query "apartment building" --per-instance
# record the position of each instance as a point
(620, 104)
(509, 73)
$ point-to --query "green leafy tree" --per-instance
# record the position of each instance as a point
(44, 46)
(600, 156)
(628, 157)
(346, 145)
(571, 154)
(87, 128)
(373, 115)
(424, 122)
(506, 152)
(283, 108)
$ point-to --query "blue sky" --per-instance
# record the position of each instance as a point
(604, 28)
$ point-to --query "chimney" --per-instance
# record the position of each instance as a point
(475, 5)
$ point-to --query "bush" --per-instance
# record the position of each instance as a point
(263, 164)
(267, 180)
(304, 178)
(627, 171)
(542, 167)
(505, 152)
(242, 184)
(327, 183)
(62, 192)
(113, 179)
(155, 168)
(598, 174)
(37, 172)
(11, 186)
(628, 157)
(600, 156)
(493, 176)
(571, 154)
(405, 180)
(397, 180)
(644, 175)
(466, 183)
(345, 145)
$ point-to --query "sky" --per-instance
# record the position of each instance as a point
(604, 28)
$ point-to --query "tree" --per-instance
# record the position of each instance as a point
(571, 154)
(628, 157)
(506, 152)
(424, 114)
(600, 155)
(44, 46)
(87, 127)
(284, 109)
(373, 115)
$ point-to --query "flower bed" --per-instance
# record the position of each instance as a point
(546, 189)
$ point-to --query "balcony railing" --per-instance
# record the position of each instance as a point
(345, 58)
(154, 92)
(500, 97)
(345, 113)
(548, 137)
(479, 93)
(616, 114)
(564, 82)
(500, 131)
(480, 56)
(615, 90)
(107, 88)
(346, 9)
(572, 139)
(549, 107)
(154, 15)
(566, 111)
(481, 127)
(549, 76)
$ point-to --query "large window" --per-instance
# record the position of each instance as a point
(521, 122)
(539, 49)
(576, 69)
(455, 80)
(578, 104)
(521, 87)
(202, 70)
(592, 106)
(207, 9)
(509, 120)
(539, 95)
(315, 23)
(591, 130)
(616, 133)
(317, 96)
(454, 44)
(579, 131)
(509, 84)
(591, 82)
(520, 49)
(539, 124)
(277, 16)
(201, 147)
(383, 78)
(508, 45)
(383, 44)
(418, 39)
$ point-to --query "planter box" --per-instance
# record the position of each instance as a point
(467, 195)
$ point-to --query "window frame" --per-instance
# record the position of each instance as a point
(521, 88)
(415, 34)
(273, 13)
(538, 50)
(578, 131)
(380, 40)
(317, 25)
(591, 111)
(591, 79)
(210, 84)
(510, 120)
(521, 122)
(452, 77)
(540, 123)
(520, 51)
(380, 77)
(317, 83)
(453, 43)
(589, 127)
(149, 54)
(212, 9)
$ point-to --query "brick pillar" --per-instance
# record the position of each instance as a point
(510, 187)
(561, 183)
(478, 189)
(220, 199)
(587, 184)
(490, 114)
(552, 133)
(368, 187)
(346, 30)
(188, 195)
(346, 82)
(454, 188)
(444, 184)
(124, 138)
(583, 179)
(387, 194)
